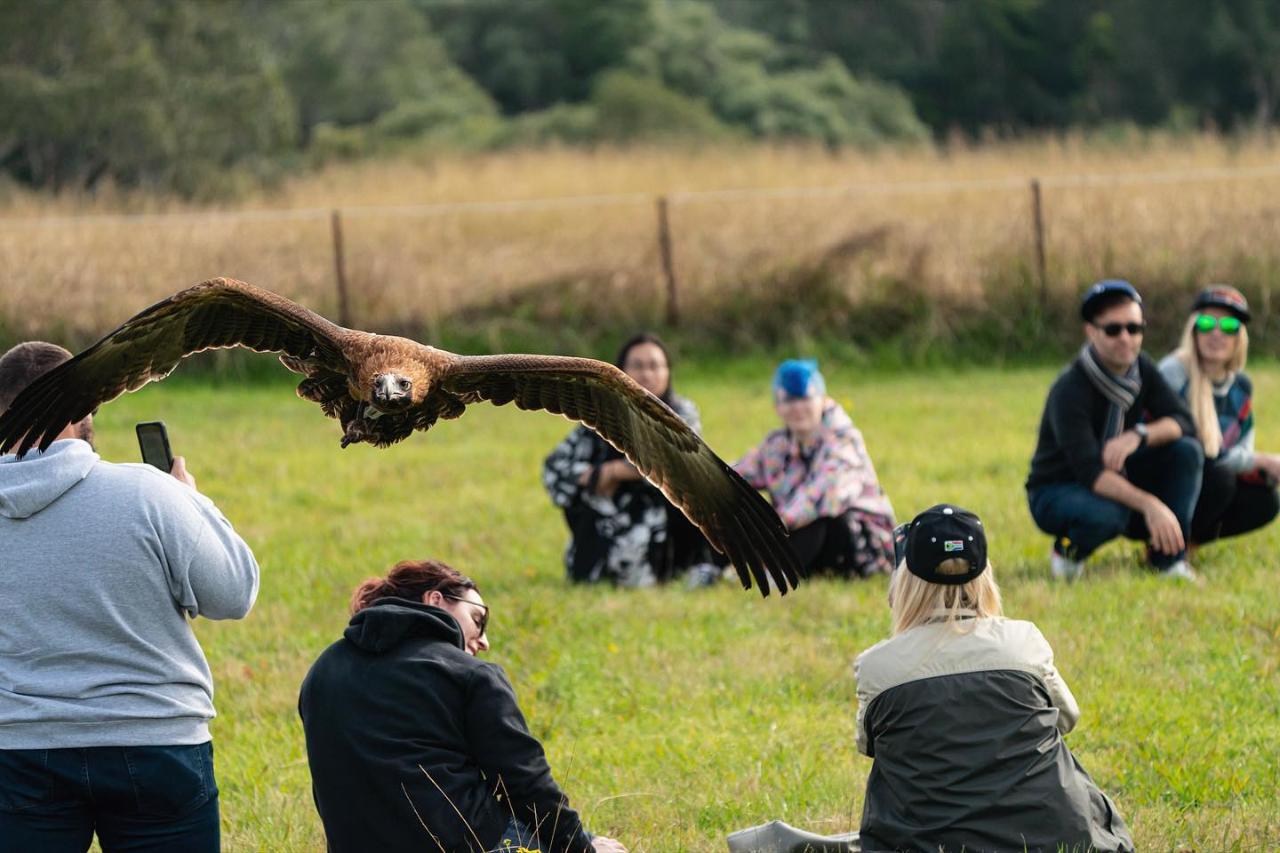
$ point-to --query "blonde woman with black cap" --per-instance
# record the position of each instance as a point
(963, 712)
(1238, 491)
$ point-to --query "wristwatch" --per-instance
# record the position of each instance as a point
(1141, 430)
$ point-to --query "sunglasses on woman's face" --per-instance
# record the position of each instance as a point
(1206, 323)
(482, 624)
(1113, 330)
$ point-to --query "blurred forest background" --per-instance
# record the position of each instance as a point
(195, 95)
(851, 172)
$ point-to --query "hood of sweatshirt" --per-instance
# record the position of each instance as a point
(30, 484)
(388, 622)
(835, 420)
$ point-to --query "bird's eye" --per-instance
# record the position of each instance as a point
(404, 384)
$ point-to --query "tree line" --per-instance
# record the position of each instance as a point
(204, 97)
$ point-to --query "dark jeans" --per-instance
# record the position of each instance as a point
(1082, 521)
(157, 799)
(1230, 505)
(517, 835)
(825, 545)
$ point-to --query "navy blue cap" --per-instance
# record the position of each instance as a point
(1100, 289)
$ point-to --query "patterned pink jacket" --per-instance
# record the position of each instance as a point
(836, 478)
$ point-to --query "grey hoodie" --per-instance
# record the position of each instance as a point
(100, 564)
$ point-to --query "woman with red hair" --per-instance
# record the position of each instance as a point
(416, 744)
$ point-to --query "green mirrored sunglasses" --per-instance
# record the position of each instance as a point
(1206, 323)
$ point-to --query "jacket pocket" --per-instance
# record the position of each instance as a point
(170, 781)
(25, 780)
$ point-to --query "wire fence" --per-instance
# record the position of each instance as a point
(418, 264)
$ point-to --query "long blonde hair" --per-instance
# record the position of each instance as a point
(913, 600)
(1200, 389)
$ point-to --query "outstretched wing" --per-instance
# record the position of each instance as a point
(215, 314)
(732, 515)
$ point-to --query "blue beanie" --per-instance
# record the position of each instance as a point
(799, 377)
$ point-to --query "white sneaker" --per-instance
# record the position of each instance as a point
(1064, 569)
(1180, 571)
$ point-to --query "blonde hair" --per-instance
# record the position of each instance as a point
(1200, 389)
(913, 600)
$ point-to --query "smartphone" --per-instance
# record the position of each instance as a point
(153, 440)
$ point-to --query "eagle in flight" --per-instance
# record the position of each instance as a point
(381, 388)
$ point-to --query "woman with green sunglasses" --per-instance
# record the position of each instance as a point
(1238, 493)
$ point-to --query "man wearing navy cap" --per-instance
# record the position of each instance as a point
(1117, 452)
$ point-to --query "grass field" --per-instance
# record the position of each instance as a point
(674, 717)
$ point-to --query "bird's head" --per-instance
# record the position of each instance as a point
(394, 392)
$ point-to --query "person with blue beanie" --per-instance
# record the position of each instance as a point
(819, 477)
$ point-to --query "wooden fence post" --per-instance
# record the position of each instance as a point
(339, 268)
(1037, 210)
(668, 261)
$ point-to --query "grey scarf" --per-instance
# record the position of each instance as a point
(1120, 391)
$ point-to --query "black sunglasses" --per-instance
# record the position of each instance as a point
(483, 624)
(1113, 330)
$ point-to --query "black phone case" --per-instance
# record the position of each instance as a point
(157, 430)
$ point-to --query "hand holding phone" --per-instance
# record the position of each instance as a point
(153, 440)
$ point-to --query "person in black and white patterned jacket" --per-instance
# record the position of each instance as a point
(622, 529)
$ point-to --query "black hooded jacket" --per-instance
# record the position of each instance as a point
(416, 745)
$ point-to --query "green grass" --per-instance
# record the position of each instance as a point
(673, 717)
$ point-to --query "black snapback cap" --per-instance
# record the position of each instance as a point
(936, 535)
(1223, 296)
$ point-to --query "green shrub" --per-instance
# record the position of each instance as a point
(632, 108)
(329, 142)
(573, 124)
(749, 81)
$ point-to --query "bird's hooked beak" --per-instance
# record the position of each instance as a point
(392, 392)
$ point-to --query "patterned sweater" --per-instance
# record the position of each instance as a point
(836, 477)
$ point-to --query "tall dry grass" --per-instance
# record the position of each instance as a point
(952, 227)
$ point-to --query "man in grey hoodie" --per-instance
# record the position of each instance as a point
(105, 694)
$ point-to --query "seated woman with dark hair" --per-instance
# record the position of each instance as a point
(622, 528)
(820, 479)
(414, 743)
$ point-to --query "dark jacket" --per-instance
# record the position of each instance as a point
(416, 745)
(1070, 444)
(965, 725)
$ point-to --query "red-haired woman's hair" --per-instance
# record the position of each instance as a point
(412, 579)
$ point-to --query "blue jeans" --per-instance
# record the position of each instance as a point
(1082, 521)
(518, 834)
(157, 799)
